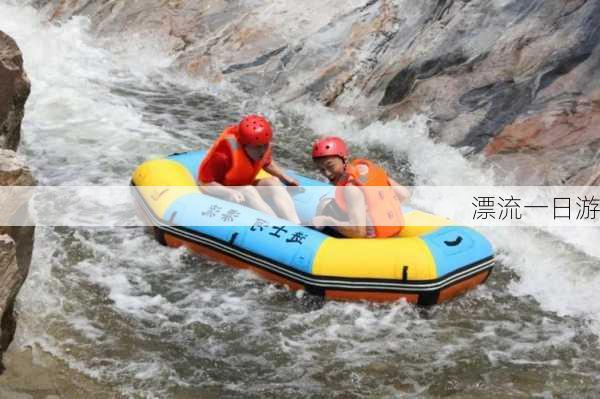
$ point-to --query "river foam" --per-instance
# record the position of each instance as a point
(158, 322)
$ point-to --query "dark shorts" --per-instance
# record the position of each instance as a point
(332, 209)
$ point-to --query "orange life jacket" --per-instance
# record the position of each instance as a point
(243, 169)
(383, 207)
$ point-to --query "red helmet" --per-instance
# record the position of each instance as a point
(329, 146)
(255, 130)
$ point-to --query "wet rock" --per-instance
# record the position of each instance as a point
(14, 90)
(559, 144)
(572, 123)
(16, 238)
(13, 170)
(403, 83)
(15, 192)
(10, 281)
(589, 176)
(31, 372)
(480, 69)
(16, 241)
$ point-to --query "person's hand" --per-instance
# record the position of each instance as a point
(320, 222)
(289, 181)
(236, 197)
(294, 184)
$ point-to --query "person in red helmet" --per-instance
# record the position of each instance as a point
(232, 164)
(367, 201)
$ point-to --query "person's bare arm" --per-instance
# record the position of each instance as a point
(275, 170)
(401, 192)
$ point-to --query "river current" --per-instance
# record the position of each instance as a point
(158, 322)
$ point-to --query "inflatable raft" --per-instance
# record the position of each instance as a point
(429, 263)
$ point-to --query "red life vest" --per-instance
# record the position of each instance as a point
(383, 207)
(243, 170)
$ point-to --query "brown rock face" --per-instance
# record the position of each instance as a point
(16, 242)
(13, 170)
(14, 90)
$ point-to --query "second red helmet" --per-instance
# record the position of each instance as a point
(254, 130)
(330, 146)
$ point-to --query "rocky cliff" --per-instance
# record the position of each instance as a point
(517, 80)
(16, 243)
(14, 89)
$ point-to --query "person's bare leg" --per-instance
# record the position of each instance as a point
(275, 190)
(254, 200)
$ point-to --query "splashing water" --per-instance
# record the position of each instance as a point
(159, 322)
(560, 268)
